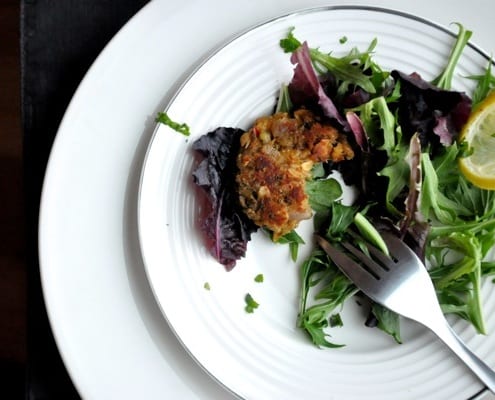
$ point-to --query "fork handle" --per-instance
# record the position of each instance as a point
(477, 366)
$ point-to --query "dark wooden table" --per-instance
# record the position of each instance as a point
(12, 254)
(59, 40)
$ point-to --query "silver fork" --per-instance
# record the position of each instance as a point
(401, 283)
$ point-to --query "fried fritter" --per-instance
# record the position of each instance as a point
(275, 160)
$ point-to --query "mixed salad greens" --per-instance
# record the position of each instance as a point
(405, 132)
(407, 176)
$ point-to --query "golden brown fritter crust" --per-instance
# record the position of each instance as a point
(275, 160)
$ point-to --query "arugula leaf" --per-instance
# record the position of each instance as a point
(182, 128)
(447, 196)
(323, 282)
(488, 268)
(341, 217)
(463, 225)
(323, 193)
(293, 240)
(464, 274)
(379, 123)
(284, 103)
(370, 233)
(463, 243)
(309, 274)
(347, 69)
(332, 291)
(384, 134)
(433, 202)
(388, 321)
(485, 84)
(444, 80)
(397, 172)
(318, 335)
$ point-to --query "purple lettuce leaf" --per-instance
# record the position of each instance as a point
(305, 87)
(357, 128)
(227, 229)
(437, 115)
(443, 131)
(355, 98)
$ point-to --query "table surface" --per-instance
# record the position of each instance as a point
(12, 265)
(51, 72)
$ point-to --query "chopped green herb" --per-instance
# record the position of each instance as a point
(343, 40)
(290, 44)
(259, 278)
(251, 304)
(182, 128)
(207, 286)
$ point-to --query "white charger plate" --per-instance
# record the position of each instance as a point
(263, 355)
(111, 334)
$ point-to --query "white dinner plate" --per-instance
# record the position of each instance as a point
(263, 355)
(110, 332)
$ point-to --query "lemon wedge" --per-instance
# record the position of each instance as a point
(479, 133)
